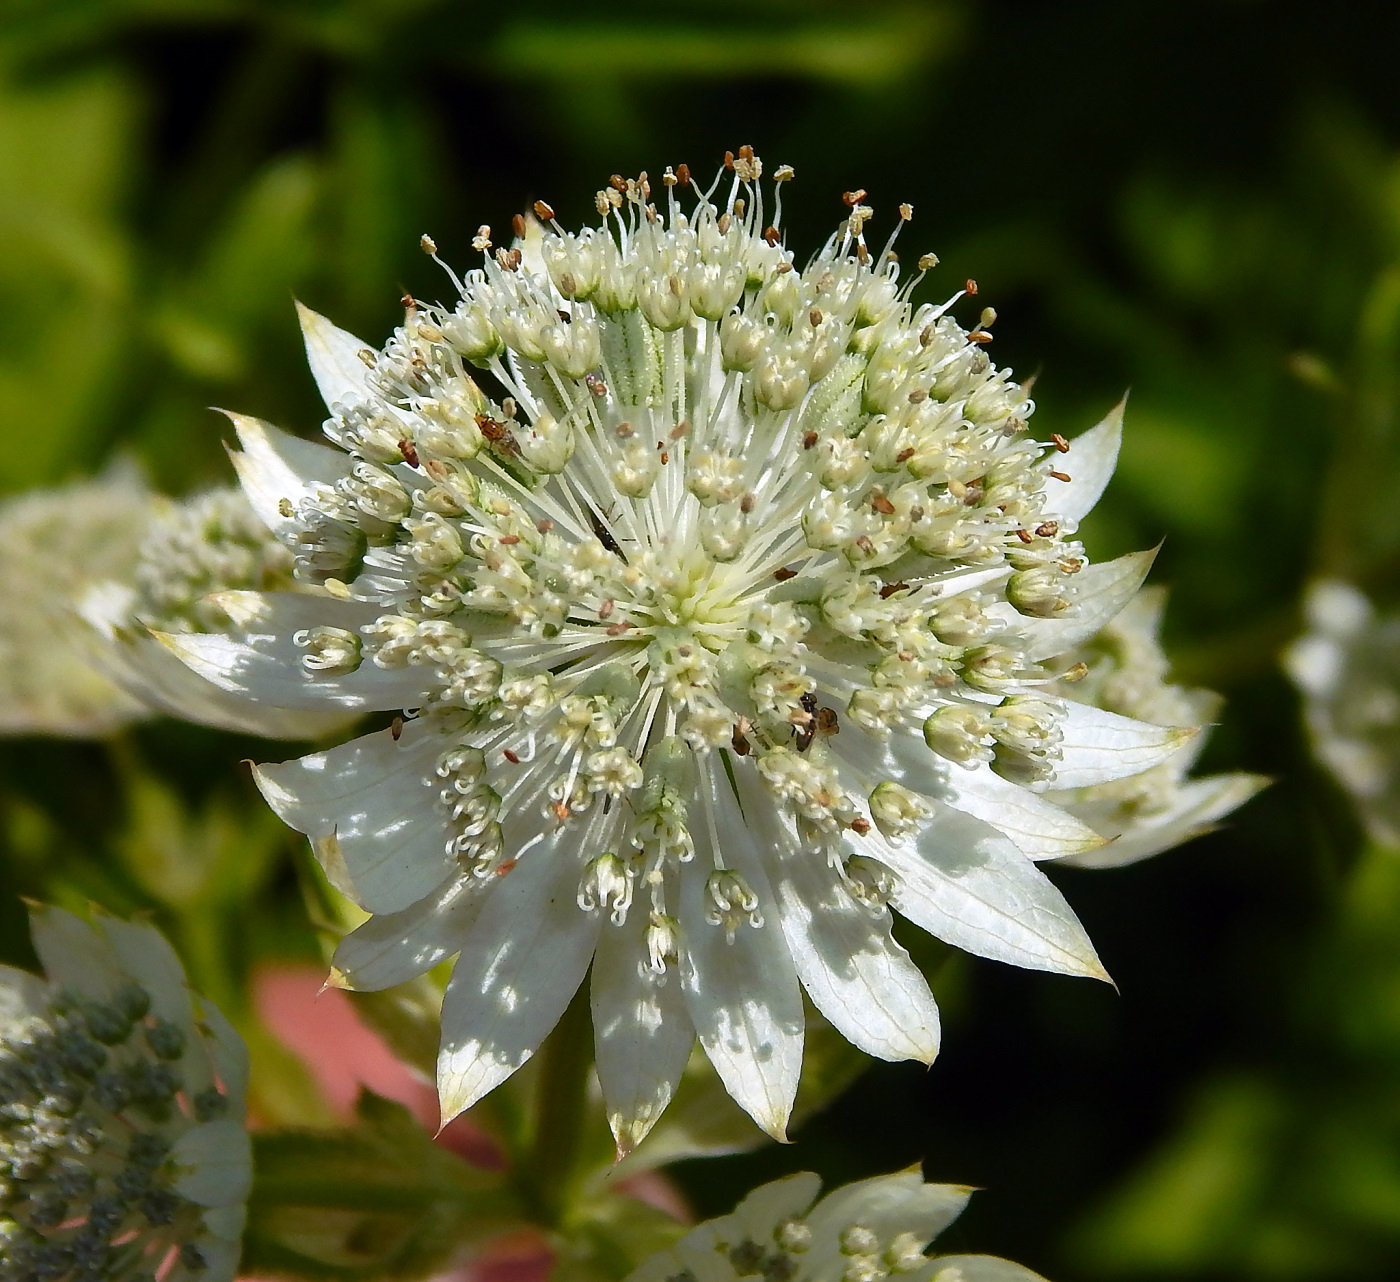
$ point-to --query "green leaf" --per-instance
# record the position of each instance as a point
(375, 1200)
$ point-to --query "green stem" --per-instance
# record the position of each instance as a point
(549, 1171)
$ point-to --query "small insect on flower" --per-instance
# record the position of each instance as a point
(683, 509)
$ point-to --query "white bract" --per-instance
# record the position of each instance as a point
(863, 1232)
(1347, 666)
(192, 550)
(718, 591)
(1147, 813)
(123, 1151)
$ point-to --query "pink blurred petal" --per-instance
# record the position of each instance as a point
(321, 1027)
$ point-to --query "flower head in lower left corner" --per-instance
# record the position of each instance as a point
(123, 1151)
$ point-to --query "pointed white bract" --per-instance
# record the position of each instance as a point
(865, 1232)
(716, 593)
(1124, 675)
(1347, 667)
(122, 1139)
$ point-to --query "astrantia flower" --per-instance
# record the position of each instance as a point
(122, 1145)
(1147, 813)
(56, 544)
(1347, 666)
(863, 1232)
(720, 591)
(192, 551)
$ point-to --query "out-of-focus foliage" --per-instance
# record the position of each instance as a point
(1200, 202)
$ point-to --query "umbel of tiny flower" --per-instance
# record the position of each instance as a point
(862, 1232)
(717, 592)
(122, 1146)
(192, 551)
(1147, 813)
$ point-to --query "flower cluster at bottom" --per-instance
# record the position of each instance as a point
(863, 1232)
(122, 1147)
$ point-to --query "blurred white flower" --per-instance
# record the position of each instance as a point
(193, 549)
(721, 616)
(57, 543)
(122, 1140)
(863, 1232)
(1347, 666)
(1147, 813)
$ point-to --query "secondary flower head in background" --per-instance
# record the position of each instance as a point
(863, 1232)
(192, 550)
(720, 590)
(122, 1144)
(1147, 813)
(1347, 666)
(57, 543)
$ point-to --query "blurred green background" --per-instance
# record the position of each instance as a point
(1198, 201)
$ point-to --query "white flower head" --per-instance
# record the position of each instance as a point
(197, 557)
(1347, 666)
(1125, 670)
(863, 1232)
(122, 1141)
(57, 543)
(721, 589)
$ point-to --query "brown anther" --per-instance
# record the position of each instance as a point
(729, 160)
(665, 457)
(853, 198)
(683, 174)
(1060, 443)
(437, 469)
(617, 182)
(408, 302)
(396, 729)
(809, 439)
(544, 526)
(1076, 673)
(367, 357)
(827, 721)
(865, 544)
(905, 454)
(409, 452)
(748, 503)
(906, 212)
(561, 811)
(724, 222)
(605, 610)
(517, 225)
(891, 588)
(490, 428)
(970, 286)
(617, 629)
(510, 540)
(624, 430)
(681, 429)
(512, 757)
(1060, 476)
(565, 317)
(772, 235)
(1048, 529)
(1025, 536)
(860, 826)
(784, 574)
(740, 740)
(918, 396)
(746, 152)
(427, 244)
(881, 504)
(815, 317)
(505, 868)
(979, 336)
(916, 513)
(544, 211)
